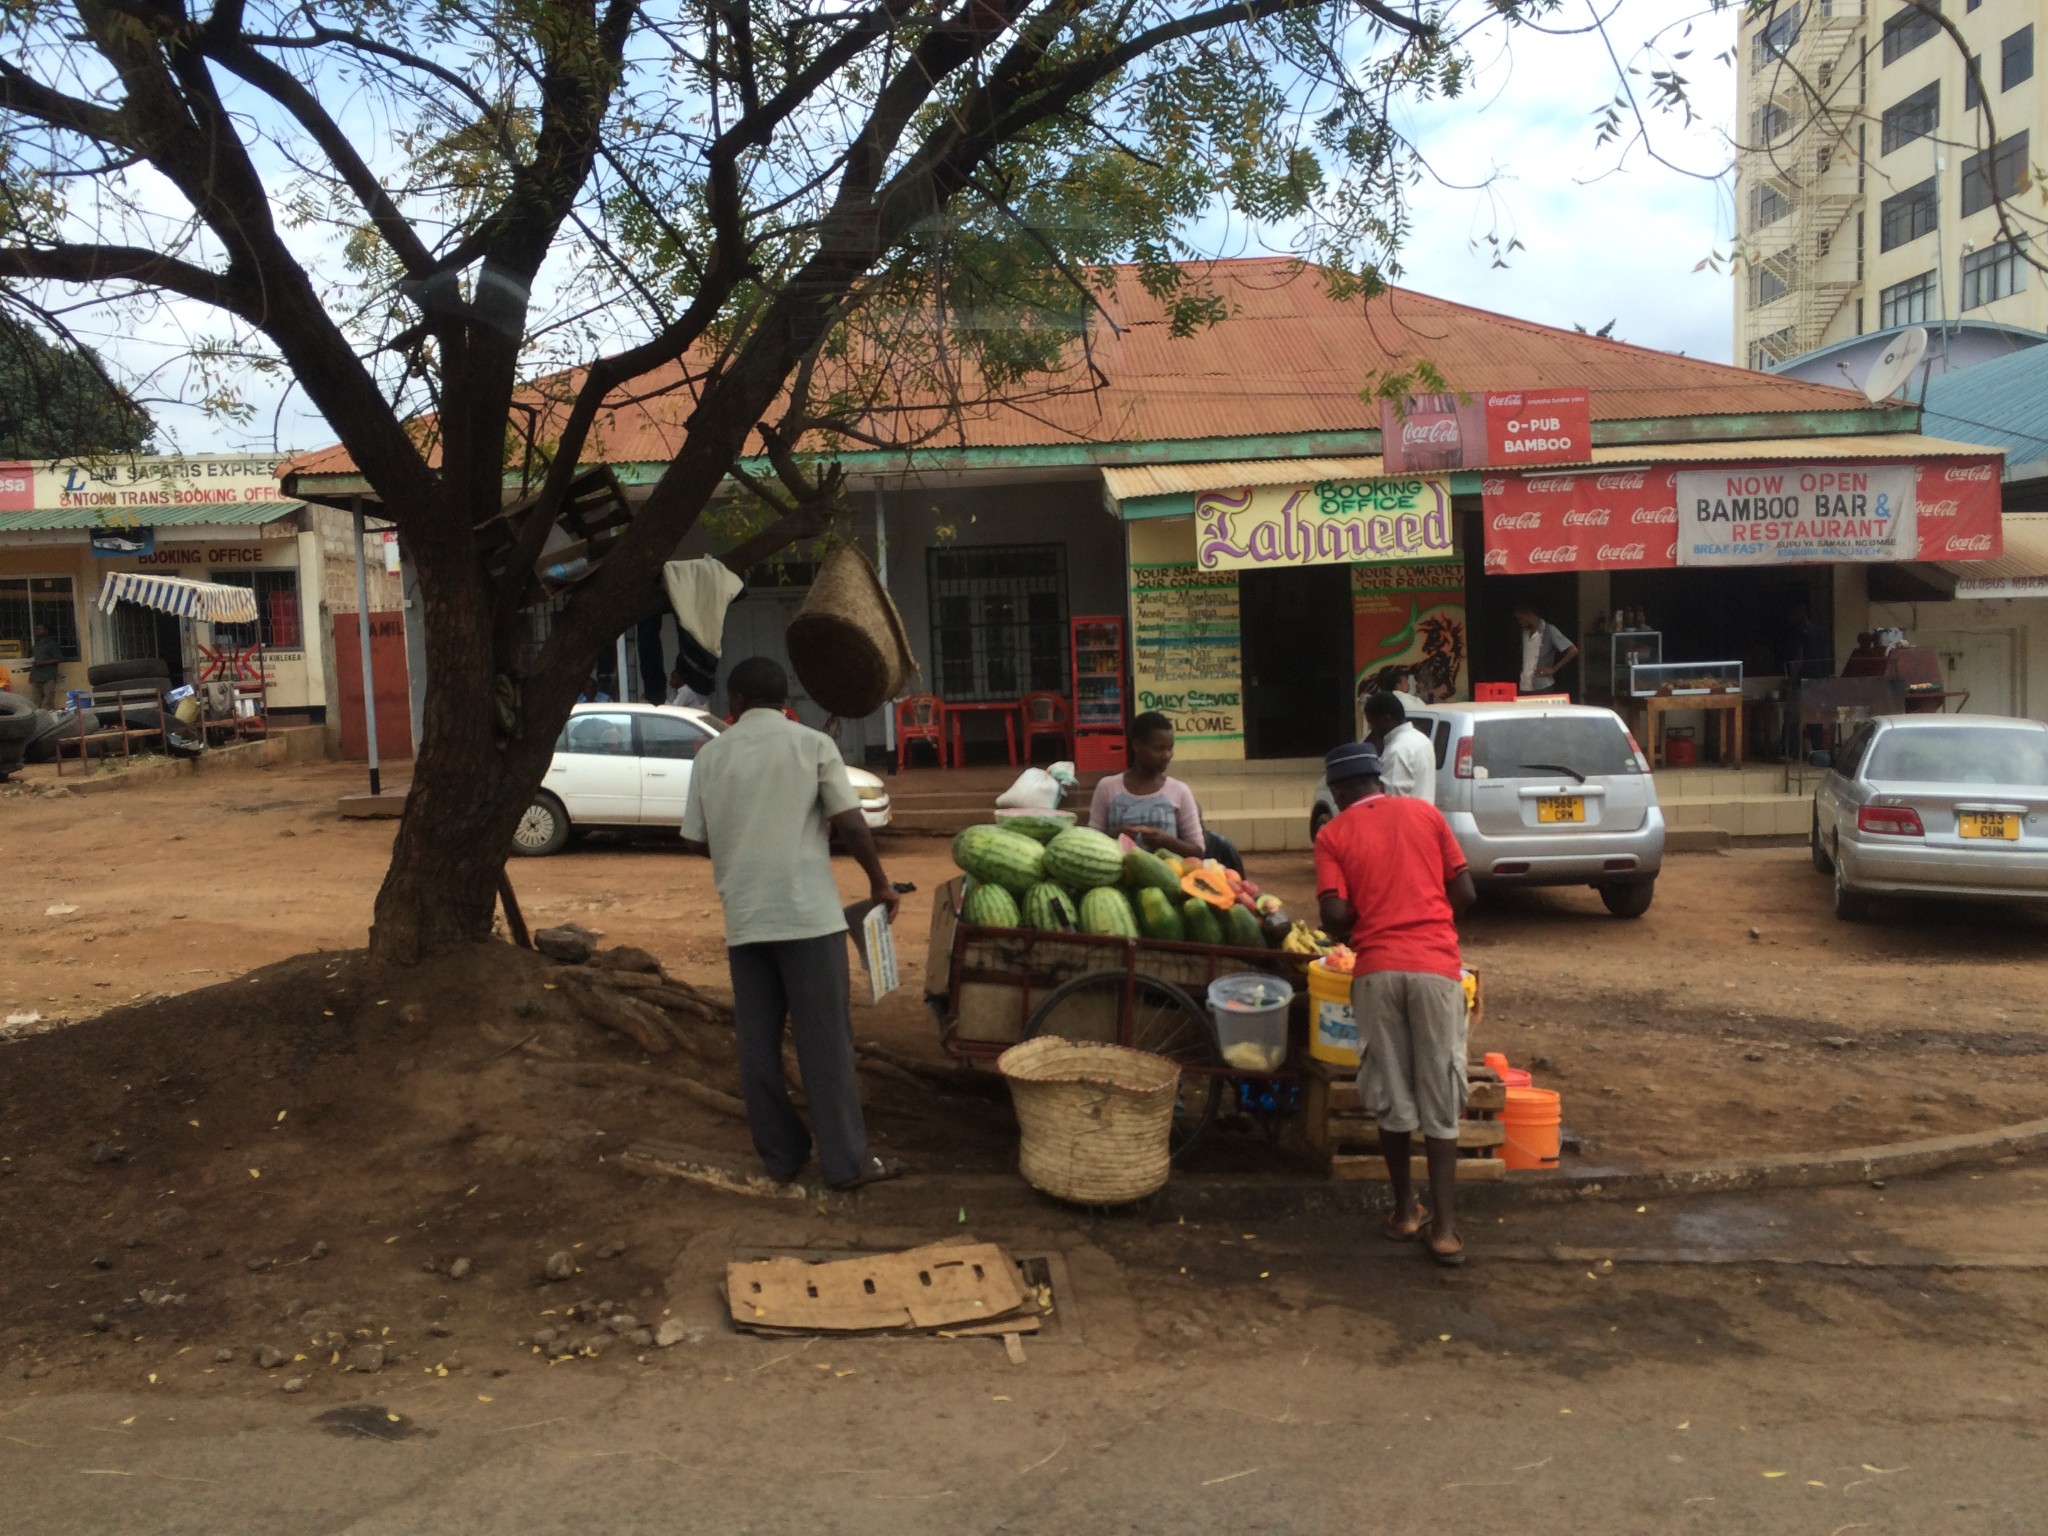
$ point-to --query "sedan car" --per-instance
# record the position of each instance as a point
(1543, 794)
(625, 766)
(1935, 805)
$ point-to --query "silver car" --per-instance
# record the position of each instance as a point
(1543, 794)
(1935, 805)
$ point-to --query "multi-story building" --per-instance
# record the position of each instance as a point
(1884, 176)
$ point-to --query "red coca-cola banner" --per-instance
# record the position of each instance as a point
(1620, 520)
(1610, 520)
(1498, 430)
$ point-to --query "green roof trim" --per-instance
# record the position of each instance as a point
(240, 514)
(1200, 450)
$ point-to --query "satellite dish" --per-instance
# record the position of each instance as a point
(1895, 364)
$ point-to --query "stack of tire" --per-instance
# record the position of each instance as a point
(17, 725)
(51, 726)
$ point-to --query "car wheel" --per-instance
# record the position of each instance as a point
(1821, 861)
(542, 829)
(1850, 906)
(1628, 900)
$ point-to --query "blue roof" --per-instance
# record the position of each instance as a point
(2002, 404)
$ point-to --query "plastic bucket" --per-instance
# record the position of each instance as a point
(1531, 1122)
(1513, 1077)
(1250, 1013)
(1333, 1029)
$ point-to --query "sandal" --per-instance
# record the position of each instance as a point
(1391, 1229)
(879, 1170)
(1450, 1258)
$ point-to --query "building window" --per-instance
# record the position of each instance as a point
(1993, 173)
(1973, 71)
(1906, 303)
(999, 621)
(1993, 273)
(1910, 28)
(1859, 257)
(1774, 348)
(1775, 38)
(1906, 216)
(1823, 243)
(1770, 123)
(1767, 205)
(2016, 58)
(1915, 117)
(277, 610)
(1766, 278)
(25, 602)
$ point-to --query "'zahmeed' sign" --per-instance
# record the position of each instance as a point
(1350, 522)
(1797, 514)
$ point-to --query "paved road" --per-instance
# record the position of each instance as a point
(1837, 1361)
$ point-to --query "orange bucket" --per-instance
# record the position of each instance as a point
(1514, 1077)
(1531, 1122)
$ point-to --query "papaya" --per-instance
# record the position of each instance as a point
(1146, 871)
(1241, 928)
(1207, 885)
(1198, 919)
(1157, 918)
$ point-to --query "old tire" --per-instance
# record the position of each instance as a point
(1821, 862)
(1631, 900)
(107, 674)
(17, 718)
(543, 828)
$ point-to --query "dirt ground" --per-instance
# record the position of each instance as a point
(1738, 1016)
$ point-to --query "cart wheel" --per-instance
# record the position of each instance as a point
(1164, 1020)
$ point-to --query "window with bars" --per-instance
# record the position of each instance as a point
(999, 621)
(1906, 216)
(26, 601)
(277, 610)
(1992, 173)
(1913, 117)
(1907, 303)
(1993, 273)
(1910, 28)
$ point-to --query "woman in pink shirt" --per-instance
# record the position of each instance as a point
(1153, 810)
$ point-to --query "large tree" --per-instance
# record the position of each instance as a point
(463, 227)
(56, 400)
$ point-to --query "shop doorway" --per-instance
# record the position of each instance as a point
(1497, 636)
(140, 634)
(1296, 629)
(1980, 661)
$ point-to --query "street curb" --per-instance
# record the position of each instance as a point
(287, 744)
(1253, 1196)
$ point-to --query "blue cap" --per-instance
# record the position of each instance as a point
(1353, 760)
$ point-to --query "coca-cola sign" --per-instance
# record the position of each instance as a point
(1586, 517)
(1643, 515)
(1503, 521)
(1550, 485)
(1980, 472)
(1540, 522)
(1623, 554)
(1633, 482)
(1948, 508)
(1559, 554)
(1429, 431)
(1498, 429)
(1968, 544)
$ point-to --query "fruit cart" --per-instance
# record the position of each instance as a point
(992, 987)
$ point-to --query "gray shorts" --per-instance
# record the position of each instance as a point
(1411, 1028)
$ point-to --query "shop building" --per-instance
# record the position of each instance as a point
(64, 527)
(1224, 498)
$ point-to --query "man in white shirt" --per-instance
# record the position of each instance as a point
(1546, 651)
(1407, 757)
(762, 796)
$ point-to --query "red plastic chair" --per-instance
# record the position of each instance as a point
(1046, 714)
(921, 717)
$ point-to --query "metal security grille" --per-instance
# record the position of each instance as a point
(999, 621)
(26, 601)
(277, 610)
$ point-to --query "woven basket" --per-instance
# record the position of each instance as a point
(1095, 1118)
(847, 642)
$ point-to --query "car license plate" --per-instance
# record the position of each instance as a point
(1558, 808)
(2002, 825)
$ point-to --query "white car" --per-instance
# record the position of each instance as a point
(628, 765)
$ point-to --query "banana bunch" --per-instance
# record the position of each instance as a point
(1304, 940)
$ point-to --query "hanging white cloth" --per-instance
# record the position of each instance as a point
(700, 591)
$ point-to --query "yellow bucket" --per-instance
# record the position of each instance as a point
(1333, 1031)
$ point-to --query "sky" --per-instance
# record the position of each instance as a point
(1605, 235)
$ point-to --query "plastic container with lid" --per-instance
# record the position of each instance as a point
(1250, 1013)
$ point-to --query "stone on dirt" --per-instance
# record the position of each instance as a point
(270, 1357)
(560, 1266)
(459, 1270)
(626, 957)
(569, 943)
(295, 1384)
(364, 1357)
(611, 1248)
(671, 1332)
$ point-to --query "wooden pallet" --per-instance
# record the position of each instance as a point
(1333, 1128)
(1480, 1170)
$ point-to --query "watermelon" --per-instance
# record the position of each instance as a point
(1050, 909)
(996, 857)
(1043, 826)
(1241, 928)
(1106, 910)
(1157, 917)
(990, 906)
(1081, 860)
(1145, 871)
(1198, 919)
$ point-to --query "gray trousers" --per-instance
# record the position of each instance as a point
(805, 982)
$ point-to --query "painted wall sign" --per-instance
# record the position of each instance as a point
(1501, 429)
(1410, 618)
(126, 488)
(1186, 657)
(1614, 520)
(1797, 514)
(1330, 523)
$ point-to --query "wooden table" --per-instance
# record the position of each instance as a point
(1007, 708)
(1728, 729)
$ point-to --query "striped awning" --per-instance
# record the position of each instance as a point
(208, 600)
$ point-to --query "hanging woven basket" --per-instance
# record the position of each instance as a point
(847, 642)
(1096, 1119)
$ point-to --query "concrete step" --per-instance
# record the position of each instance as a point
(1751, 816)
(1262, 831)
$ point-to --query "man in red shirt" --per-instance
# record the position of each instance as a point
(1390, 875)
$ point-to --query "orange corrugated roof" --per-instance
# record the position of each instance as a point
(1288, 359)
